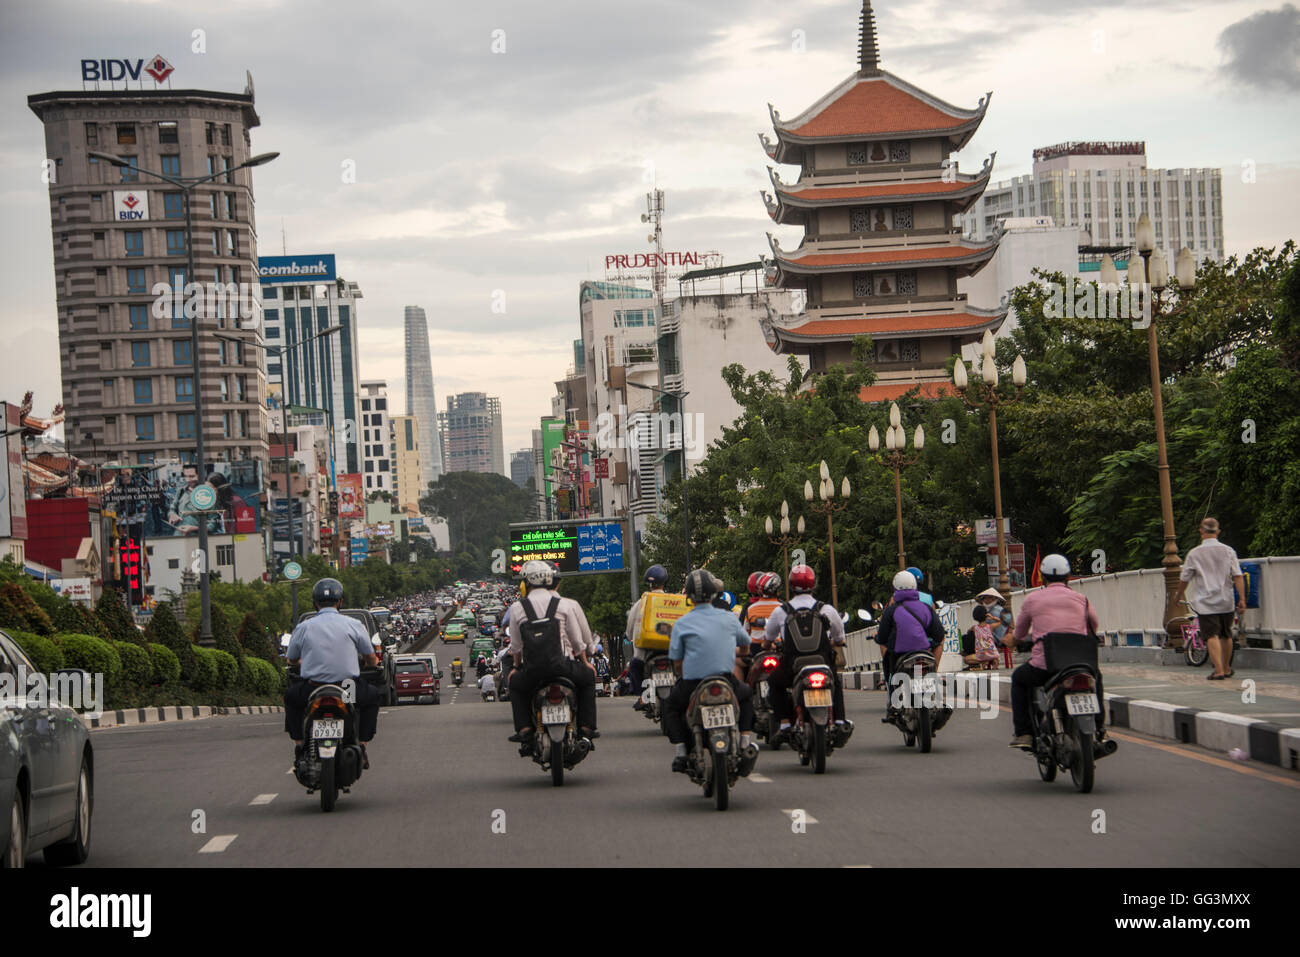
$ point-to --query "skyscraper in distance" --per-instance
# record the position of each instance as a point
(420, 400)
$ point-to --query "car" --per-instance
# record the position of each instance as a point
(416, 679)
(455, 631)
(47, 771)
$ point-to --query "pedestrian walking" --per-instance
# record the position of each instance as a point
(1219, 595)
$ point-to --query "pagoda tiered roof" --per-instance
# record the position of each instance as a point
(812, 259)
(966, 322)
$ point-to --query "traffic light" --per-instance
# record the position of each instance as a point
(133, 571)
(334, 504)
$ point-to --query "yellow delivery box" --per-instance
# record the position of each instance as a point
(658, 617)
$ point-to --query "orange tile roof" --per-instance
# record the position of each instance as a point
(913, 188)
(875, 106)
(883, 393)
(875, 325)
(871, 257)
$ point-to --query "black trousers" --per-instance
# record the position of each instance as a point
(779, 690)
(295, 707)
(525, 682)
(674, 716)
(1026, 678)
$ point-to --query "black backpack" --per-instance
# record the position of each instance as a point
(804, 628)
(540, 635)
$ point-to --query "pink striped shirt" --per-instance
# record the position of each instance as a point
(1055, 608)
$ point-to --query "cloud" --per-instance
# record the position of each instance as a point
(1263, 50)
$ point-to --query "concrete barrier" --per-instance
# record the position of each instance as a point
(1220, 731)
(132, 716)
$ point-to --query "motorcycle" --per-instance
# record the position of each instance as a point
(557, 744)
(923, 712)
(457, 673)
(1064, 713)
(715, 758)
(659, 682)
(812, 734)
(332, 759)
(765, 725)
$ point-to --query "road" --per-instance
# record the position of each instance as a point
(443, 775)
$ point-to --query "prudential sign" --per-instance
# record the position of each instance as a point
(295, 269)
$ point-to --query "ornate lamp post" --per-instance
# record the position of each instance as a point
(1153, 271)
(785, 540)
(987, 396)
(897, 457)
(828, 506)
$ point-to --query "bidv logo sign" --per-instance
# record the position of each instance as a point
(95, 70)
(130, 206)
(295, 269)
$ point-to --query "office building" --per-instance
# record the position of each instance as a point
(471, 434)
(420, 400)
(127, 365)
(521, 467)
(404, 444)
(376, 456)
(876, 195)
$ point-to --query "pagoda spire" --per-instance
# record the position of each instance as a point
(868, 51)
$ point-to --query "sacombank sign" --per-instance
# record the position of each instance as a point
(287, 270)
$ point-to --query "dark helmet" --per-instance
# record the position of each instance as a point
(802, 579)
(701, 586)
(656, 576)
(327, 591)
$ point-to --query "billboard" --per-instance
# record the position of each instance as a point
(573, 547)
(1015, 558)
(295, 270)
(130, 206)
(552, 441)
(352, 501)
(153, 501)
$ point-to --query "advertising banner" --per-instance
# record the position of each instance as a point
(360, 550)
(295, 270)
(352, 501)
(1016, 559)
(986, 530)
(74, 589)
(153, 501)
(130, 206)
(552, 440)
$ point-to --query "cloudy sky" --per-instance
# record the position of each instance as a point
(507, 146)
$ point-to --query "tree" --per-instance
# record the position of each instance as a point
(164, 629)
(478, 508)
(111, 610)
(254, 640)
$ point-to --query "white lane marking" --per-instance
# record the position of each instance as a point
(790, 813)
(759, 778)
(265, 798)
(856, 865)
(290, 771)
(218, 844)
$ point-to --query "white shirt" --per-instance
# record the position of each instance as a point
(575, 633)
(1213, 565)
(486, 683)
(775, 629)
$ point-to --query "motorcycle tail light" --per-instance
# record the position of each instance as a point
(320, 703)
(770, 661)
(817, 679)
(555, 694)
(1079, 683)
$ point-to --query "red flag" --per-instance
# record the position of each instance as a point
(1036, 577)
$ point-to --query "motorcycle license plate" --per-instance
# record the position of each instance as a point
(662, 678)
(327, 728)
(555, 714)
(718, 716)
(819, 698)
(762, 688)
(1082, 704)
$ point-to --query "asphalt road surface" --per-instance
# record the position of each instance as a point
(446, 788)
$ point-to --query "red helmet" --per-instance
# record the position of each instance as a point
(802, 579)
(769, 583)
(751, 583)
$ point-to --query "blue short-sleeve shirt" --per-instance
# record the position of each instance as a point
(705, 640)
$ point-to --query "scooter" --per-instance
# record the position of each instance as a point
(659, 682)
(916, 699)
(1065, 712)
(557, 745)
(332, 757)
(765, 725)
(812, 734)
(716, 759)
(457, 672)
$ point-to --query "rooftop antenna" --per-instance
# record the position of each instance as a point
(284, 250)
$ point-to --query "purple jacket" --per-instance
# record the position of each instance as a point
(909, 624)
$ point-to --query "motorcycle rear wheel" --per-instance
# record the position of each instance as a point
(924, 736)
(819, 749)
(1083, 768)
(557, 763)
(720, 793)
(329, 790)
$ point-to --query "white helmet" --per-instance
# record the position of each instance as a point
(1055, 568)
(538, 574)
(904, 581)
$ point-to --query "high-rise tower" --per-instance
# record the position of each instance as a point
(420, 400)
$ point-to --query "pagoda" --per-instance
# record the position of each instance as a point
(880, 256)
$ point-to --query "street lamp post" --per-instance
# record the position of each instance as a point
(785, 540)
(828, 507)
(278, 352)
(1154, 272)
(988, 397)
(186, 184)
(896, 458)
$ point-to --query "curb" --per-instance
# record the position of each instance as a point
(130, 716)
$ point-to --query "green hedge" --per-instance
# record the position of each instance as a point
(166, 666)
(206, 675)
(137, 669)
(90, 654)
(227, 670)
(45, 654)
(263, 677)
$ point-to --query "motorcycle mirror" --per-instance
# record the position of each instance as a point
(845, 618)
(864, 614)
(939, 605)
(876, 606)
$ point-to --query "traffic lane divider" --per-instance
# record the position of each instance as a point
(157, 715)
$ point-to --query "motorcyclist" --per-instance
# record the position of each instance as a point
(704, 642)
(487, 685)
(919, 575)
(802, 582)
(325, 650)
(907, 625)
(575, 641)
(656, 577)
(756, 616)
(1054, 609)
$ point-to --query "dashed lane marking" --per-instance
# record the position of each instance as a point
(790, 813)
(264, 798)
(759, 778)
(218, 844)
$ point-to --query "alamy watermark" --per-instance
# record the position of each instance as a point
(950, 689)
(78, 690)
(658, 431)
(198, 300)
(1099, 300)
